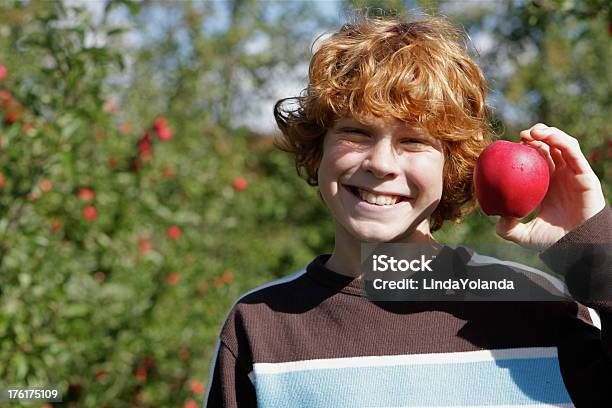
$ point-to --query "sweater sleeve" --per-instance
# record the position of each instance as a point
(229, 385)
(584, 257)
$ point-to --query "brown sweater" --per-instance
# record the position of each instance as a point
(313, 339)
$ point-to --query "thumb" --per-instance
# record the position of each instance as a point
(510, 229)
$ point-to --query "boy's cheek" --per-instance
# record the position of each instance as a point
(334, 164)
(339, 152)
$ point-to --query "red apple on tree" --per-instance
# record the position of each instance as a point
(196, 387)
(510, 179)
(173, 232)
(160, 123)
(164, 133)
(86, 194)
(173, 278)
(240, 183)
(90, 213)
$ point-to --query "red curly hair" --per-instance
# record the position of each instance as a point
(418, 72)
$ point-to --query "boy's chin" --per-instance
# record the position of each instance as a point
(377, 235)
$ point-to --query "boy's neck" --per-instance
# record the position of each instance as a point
(346, 257)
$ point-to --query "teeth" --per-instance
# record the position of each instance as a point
(383, 200)
(377, 199)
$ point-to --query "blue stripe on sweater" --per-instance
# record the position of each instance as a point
(495, 382)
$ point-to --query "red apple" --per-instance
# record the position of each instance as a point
(46, 185)
(510, 179)
(141, 374)
(196, 387)
(160, 123)
(173, 232)
(86, 194)
(164, 133)
(173, 278)
(240, 183)
(90, 213)
(144, 244)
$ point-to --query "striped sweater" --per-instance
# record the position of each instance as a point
(313, 339)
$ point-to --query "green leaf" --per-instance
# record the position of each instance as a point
(20, 365)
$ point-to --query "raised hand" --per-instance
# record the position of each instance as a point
(574, 194)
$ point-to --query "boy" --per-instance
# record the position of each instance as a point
(390, 128)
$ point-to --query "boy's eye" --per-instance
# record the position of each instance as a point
(413, 141)
(357, 131)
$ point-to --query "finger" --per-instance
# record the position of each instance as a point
(557, 158)
(567, 145)
(553, 156)
(526, 134)
(511, 229)
(544, 151)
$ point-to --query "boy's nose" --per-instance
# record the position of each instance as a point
(382, 161)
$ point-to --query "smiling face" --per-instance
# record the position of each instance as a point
(384, 156)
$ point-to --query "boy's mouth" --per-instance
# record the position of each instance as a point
(376, 199)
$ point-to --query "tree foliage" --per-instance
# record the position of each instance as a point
(135, 208)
